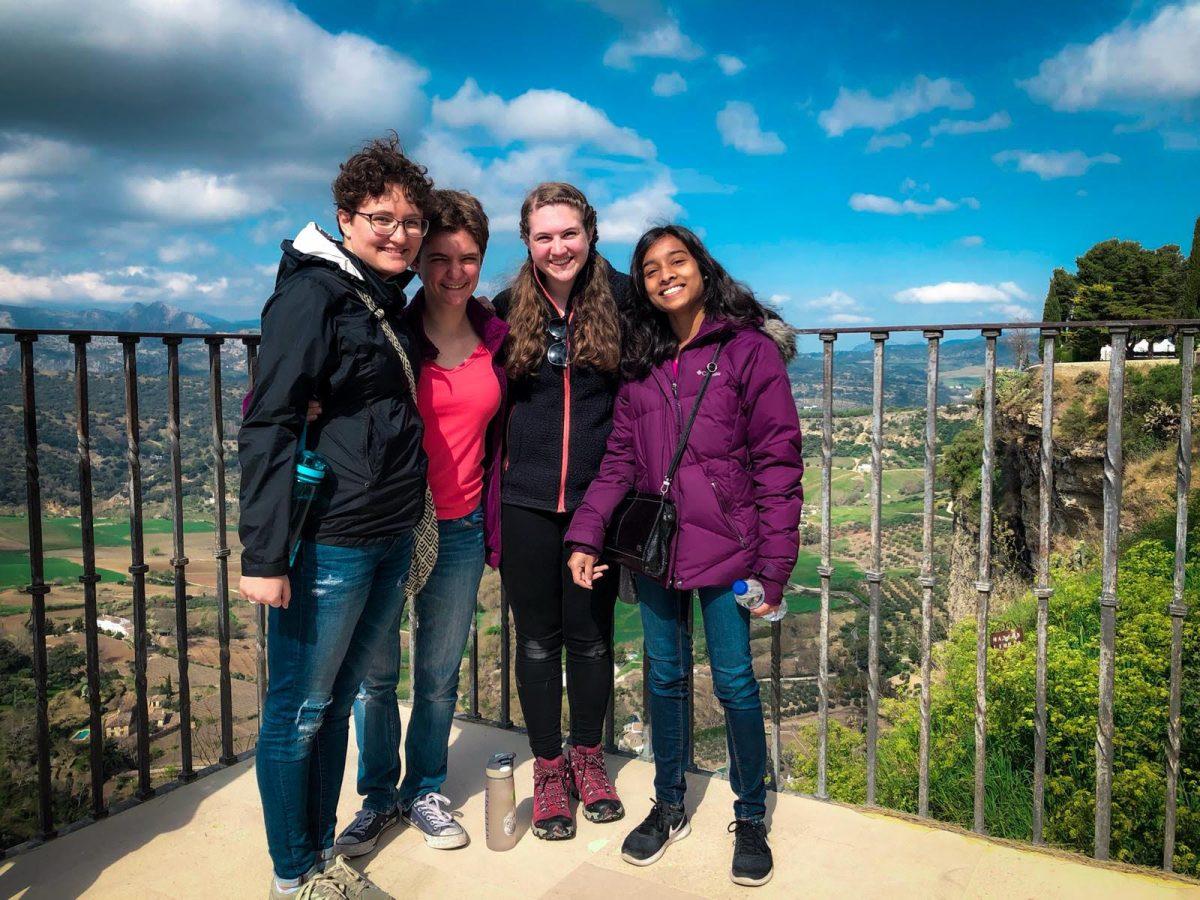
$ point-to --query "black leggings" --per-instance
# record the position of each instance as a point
(550, 612)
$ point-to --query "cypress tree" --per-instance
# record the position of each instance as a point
(1190, 306)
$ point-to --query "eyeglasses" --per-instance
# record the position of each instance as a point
(556, 352)
(385, 226)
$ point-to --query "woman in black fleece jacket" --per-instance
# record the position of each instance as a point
(564, 311)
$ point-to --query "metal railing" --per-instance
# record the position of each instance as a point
(875, 575)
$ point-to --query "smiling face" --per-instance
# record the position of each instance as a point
(389, 255)
(449, 267)
(558, 243)
(671, 276)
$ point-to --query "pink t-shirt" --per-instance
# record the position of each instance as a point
(457, 405)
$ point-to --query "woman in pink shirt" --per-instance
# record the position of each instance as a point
(460, 391)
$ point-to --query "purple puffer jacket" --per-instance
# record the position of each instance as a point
(738, 489)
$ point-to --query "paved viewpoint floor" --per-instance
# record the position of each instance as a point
(206, 840)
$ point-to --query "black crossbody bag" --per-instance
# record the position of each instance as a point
(642, 529)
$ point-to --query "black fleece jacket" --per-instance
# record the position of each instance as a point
(534, 474)
(319, 341)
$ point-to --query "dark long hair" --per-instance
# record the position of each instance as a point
(595, 334)
(650, 340)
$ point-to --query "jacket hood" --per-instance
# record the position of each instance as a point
(780, 332)
(313, 246)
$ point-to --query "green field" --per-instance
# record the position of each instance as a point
(63, 533)
(14, 570)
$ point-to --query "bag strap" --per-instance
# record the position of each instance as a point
(687, 430)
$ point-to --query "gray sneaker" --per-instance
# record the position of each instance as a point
(341, 881)
(288, 888)
(361, 835)
(441, 831)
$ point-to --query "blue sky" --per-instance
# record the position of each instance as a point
(861, 164)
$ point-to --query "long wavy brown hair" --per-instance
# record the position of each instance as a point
(595, 327)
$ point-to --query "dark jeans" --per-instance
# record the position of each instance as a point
(669, 649)
(441, 624)
(550, 612)
(344, 612)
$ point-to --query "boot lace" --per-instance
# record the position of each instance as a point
(594, 774)
(550, 788)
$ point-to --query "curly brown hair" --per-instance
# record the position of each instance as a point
(370, 171)
(595, 325)
(458, 211)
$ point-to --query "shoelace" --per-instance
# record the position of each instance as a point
(322, 888)
(657, 820)
(362, 821)
(430, 806)
(594, 773)
(550, 788)
(749, 836)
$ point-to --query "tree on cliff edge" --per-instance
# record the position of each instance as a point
(1191, 287)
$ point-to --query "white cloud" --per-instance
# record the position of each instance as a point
(861, 109)
(27, 155)
(962, 292)
(1054, 163)
(20, 246)
(849, 319)
(889, 206)
(730, 65)
(1152, 62)
(284, 81)
(124, 285)
(538, 115)
(183, 247)
(662, 41)
(970, 240)
(1013, 312)
(1181, 140)
(668, 84)
(997, 121)
(740, 129)
(884, 141)
(834, 301)
(626, 219)
(191, 196)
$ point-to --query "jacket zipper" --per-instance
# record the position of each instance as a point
(678, 435)
(566, 438)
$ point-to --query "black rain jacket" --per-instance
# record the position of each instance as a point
(319, 341)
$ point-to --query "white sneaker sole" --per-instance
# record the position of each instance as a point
(440, 842)
(751, 882)
(679, 835)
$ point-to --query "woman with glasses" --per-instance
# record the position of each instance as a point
(333, 331)
(562, 355)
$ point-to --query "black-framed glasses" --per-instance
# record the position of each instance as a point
(385, 226)
(556, 351)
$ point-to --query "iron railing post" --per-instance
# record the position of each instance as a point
(221, 551)
(825, 570)
(875, 573)
(927, 578)
(1043, 591)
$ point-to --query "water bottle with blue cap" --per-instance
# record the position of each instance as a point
(310, 472)
(749, 593)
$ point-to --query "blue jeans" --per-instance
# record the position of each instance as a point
(344, 611)
(441, 623)
(669, 649)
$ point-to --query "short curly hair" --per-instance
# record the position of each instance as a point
(459, 211)
(379, 164)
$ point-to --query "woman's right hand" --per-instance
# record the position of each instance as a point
(584, 570)
(273, 590)
(313, 413)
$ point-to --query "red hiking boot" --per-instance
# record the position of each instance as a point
(552, 820)
(590, 783)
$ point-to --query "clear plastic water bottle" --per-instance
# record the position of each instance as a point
(749, 593)
(310, 471)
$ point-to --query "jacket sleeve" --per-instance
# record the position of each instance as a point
(776, 467)
(297, 354)
(611, 484)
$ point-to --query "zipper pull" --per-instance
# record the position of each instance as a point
(666, 486)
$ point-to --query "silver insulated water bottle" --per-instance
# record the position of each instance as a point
(500, 803)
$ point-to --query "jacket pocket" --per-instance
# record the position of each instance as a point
(724, 506)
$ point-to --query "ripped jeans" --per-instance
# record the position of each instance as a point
(345, 610)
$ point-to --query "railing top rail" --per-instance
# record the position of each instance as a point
(245, 336)
(255, 337)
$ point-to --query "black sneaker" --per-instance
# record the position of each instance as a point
(665, 825)
(752, 864)
(361, 835)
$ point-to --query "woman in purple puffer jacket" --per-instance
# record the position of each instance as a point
(738, 496)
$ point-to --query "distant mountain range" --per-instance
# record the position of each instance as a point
(134, 317)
